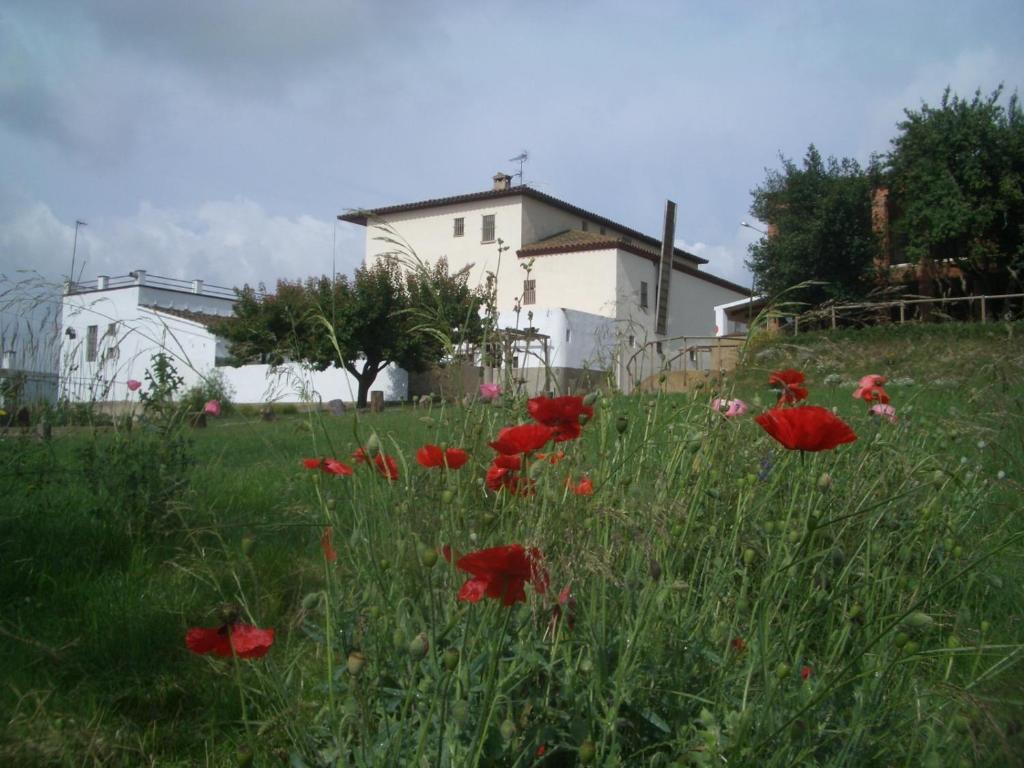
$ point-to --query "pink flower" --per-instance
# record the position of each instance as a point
(884, 411)
(729, 408)
(133, 384)
(212, 407)
(870, 388)
(489, 391)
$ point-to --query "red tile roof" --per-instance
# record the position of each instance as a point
(361, 217)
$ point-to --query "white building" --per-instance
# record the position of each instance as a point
(591, 285)
(113, 326)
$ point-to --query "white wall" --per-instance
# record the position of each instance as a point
(294, 383)
(429, 233)
(125, 351)
(584, 281)
(692, 303)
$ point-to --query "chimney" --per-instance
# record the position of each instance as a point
(197, 286)
(140, 276)
(101, 282)
(502, 182)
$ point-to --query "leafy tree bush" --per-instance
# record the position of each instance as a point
(957, 183)
(820, 215)
(384, 314)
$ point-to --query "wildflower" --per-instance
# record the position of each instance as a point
(330, 466)
(738, 644)
(133, 384)
(232, 639)
(566, 605)
(805, 672)
(489, 391)
(884, 411)
(729, 408)
(806, 428)
(585, 487)
(433, 456)
(869, 388)
(386, 465)
(327, 544)
(212, 407)
(504, 472)
(788, 383)
(501, 573)
(561, 413)
(524, 438)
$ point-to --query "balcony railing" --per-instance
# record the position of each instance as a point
(141, 278)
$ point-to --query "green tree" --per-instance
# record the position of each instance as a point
(819, 216)
(384, 314)
(957, 183)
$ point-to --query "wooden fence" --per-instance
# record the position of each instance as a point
(908, 309)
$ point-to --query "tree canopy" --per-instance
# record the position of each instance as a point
(819, 215)
(957, 183)
(383, 314)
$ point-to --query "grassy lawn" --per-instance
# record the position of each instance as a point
(724, 601)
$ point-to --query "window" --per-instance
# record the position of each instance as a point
(603, 231)
(91, 343)
(487, 233)
(460, 227)
(584, 225)
(632, 342)
(657, 348)
(568, 334)
(643, 295)
(529, 291)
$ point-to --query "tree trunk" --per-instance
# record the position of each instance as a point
(365, 377)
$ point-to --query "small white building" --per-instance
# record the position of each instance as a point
(587, 283)
(113, 326)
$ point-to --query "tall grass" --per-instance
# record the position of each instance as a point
(731, 603)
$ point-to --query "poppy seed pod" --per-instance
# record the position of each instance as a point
(355, 663)
(508, 730)
(621, 424)
(587, 752)
(243, 756)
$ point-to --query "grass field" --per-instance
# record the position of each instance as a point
(732, 603)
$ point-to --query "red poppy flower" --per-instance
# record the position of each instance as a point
(738, 644)
(561, 413)
(524, 438)
(386, 465)
(242, 640)
(504, 472)
(433, 456)
(585, 487)
(805, 672)
(788, 382)
(502, 573)
(327, 544)
(806, 428)
(330, 466)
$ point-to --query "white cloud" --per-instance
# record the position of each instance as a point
(226, 242)
(724, 259)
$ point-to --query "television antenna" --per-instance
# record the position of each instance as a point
(521, 158)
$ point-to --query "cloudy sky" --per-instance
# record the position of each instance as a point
(220, 139)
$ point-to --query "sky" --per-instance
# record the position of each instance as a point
(219, 140)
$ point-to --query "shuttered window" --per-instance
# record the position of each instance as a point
(529, 291)
(487, 230)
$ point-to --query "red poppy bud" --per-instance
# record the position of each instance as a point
(450, 659)
(419, 646)
(587, 752)
(508, 730)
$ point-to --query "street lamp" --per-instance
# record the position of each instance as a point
(751, 226)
